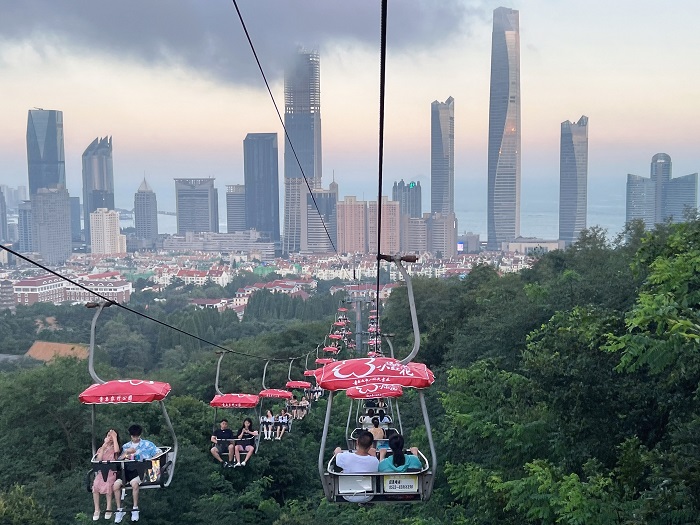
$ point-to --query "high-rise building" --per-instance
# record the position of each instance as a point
(196, 205)
(236, 208)
(573, 179)
(302, 120)
(414, 234)
(442, 156)
(52, 229)
(390, 227)
(409, 198)
(25, 227)
(660, 197)
(503, 215)
(442, 235)
(146, 215)
(261, 175)
(106, 236)
(319, 220)
(4, 237)
(45, 155)
(98, 180)
(352, 225)
(75, 230)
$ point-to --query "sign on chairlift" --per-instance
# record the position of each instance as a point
(401, 483)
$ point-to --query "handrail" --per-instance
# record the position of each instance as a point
(218, 371)
(264, 373)
(91, 357)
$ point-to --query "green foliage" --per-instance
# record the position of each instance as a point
(18, 507)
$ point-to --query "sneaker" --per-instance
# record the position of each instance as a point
(108, 515)
(96, 516)
(119, 516)
(134, 514)
(243, 464)
(237, 465)
(226, 464)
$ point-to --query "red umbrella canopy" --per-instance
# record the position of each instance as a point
(276, 393)
(342, 309)
(354, 372)
(339, 323)
(335, 336)
(298, 384)
(310, 373)
(324, 360)
(331, 349)
(124, 391)
(374, 391)
(235, 401)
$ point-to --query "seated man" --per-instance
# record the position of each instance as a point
(137, 449)
(363, 460)
(226, 434)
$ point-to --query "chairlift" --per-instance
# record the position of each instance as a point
(361, 375)
(156, 472)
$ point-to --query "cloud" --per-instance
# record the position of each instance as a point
(207, 36)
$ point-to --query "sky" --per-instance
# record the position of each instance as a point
(176, 85)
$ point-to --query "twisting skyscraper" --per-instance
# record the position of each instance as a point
(302, 120)
(573, 179)
(442, 156)
(45, 156)
(504, 129)
(98, 180)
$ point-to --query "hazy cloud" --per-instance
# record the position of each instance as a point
(206, 35)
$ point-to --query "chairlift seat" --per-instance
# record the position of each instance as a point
(153, 472)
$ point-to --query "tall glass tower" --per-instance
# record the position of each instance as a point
(261, 176)
(196, 206)
(442, 156)
(98, 180)
(302, 119)
(573, 179)
(146, 214)
(45, 156)
(503, 215)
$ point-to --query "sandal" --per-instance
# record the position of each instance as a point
(95, 516)
(108, 515)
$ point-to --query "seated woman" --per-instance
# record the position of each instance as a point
(107, 452)
(399, 462)
(303, 407)
(378, 434)
(367, 420)
(294, 407)
(246, 442)
(384, 420)
(282, 424)
(266, 422)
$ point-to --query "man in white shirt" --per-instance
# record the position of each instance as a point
(362, 461)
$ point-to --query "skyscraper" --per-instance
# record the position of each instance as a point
(106, 236)
(661, 197)
(196, 206)
(45, 156)
(236, 208)
(25, 227)
(409, 198)
(52, 230)
(75, 230)
(442, 156)
(302, 119)
(351, 221)
(3, 218)
(503, 215)
(146, 214)
(98, 180)
(391, 220)
(319, 220)
(573, 179)
(261, 175)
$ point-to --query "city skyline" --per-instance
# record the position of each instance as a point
(561, 76)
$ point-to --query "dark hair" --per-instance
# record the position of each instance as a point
(117, 433)
(382, 413)
(396, 446)
(375, 422)
(250, 422)
(365, 440)
(370, 412)
(135, 430)
(224, 421)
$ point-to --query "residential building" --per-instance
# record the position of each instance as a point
(573, 179)
(319, 222)
(51, 225)
(146, 215)
(409, 198)
(442, 235)
(44, 289)
(390, 243)
(442, 156)
(98, 180)
(261, 175)
(196, 205)
(504, 153)
(236, 208)
(351, 217)
(660, 197)
(302, 151)
(106, 236)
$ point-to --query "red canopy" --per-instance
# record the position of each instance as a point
(374, 391)
(235, 401)
(335, 336)
(324, 360)
(298, 384)
(354, 372)
(339, 323)
(124, 391)
(331, 349)
(342, 309)
(276, 393)
(310, 373)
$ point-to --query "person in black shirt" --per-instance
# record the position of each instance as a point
(223, 447)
